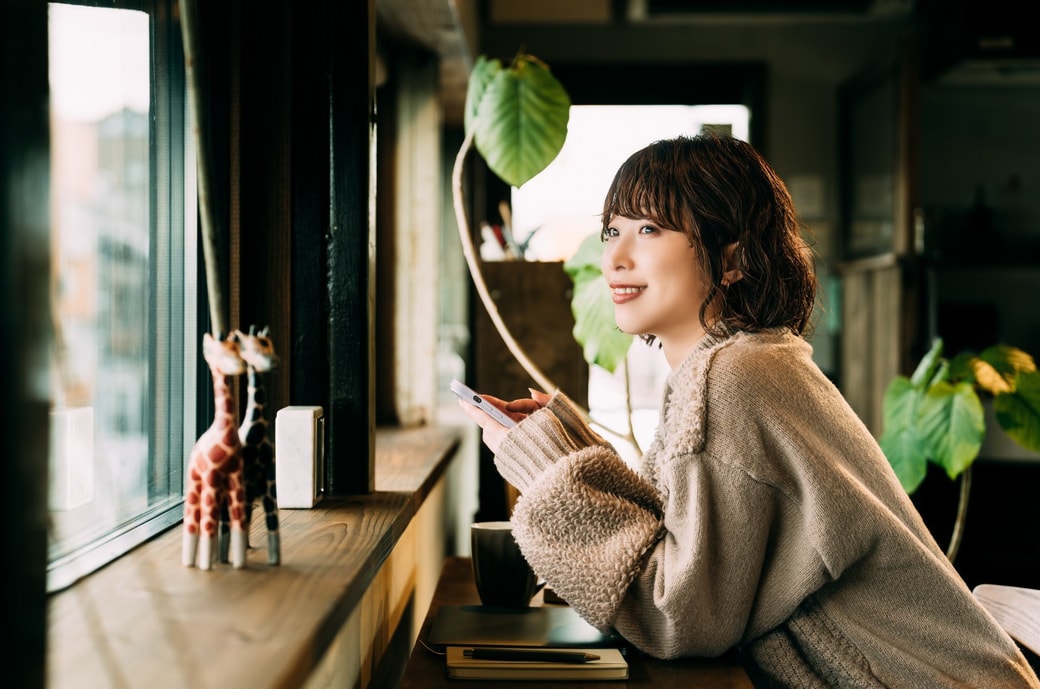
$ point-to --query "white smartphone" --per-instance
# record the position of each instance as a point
(467, 394)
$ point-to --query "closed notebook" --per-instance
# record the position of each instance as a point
(549, 626)
(610, 664)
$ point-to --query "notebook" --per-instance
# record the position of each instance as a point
(555, 626)
(610, 664)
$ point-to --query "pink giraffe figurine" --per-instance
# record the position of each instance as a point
(215, 476)
(257, 351)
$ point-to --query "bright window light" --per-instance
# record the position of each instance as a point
(563, 202)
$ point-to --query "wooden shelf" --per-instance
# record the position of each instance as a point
(147, 621)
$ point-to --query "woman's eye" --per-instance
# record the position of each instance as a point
(608, 233)
(647, 229)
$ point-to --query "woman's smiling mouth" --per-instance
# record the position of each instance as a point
(623, 293)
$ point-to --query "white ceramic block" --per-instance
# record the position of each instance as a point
(299, 455)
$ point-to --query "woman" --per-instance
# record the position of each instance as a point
(763, 517)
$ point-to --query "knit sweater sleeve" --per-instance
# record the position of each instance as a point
(555, 431)
(584, 519)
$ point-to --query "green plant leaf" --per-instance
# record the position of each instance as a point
(594, 326)
(484, 70)
(936, 414)
(903, 452)
(900, 441)
(899, 407)
(588, 257)
(1018, 412)
(988, 378)
(997, 366)
(925, 370)
(952, 425)
(518, 117)
(963, 367)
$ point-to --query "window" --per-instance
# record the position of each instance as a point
(123, 289)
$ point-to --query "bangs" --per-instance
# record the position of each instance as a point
(645, 187)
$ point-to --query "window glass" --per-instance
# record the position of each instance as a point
(122, 388)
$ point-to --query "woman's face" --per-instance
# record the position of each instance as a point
(656, 283)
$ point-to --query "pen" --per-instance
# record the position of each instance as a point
(529, 655)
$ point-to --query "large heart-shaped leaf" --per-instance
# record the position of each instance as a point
(484, 70)
(925, 371)
(900, 440)
(518, 116)
(952, 424)
(902, 449)
(594, 326)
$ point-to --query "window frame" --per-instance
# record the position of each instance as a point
(174, 391)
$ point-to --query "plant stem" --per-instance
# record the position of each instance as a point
(470, 253)
(210, 246)
(628, 410)
(962, 516)
(629, 435)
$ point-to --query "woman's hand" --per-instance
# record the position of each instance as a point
(518, 410)
(528, 405)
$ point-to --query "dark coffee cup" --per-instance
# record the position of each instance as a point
(504, 579)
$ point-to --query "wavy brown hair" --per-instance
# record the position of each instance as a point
(718, 191)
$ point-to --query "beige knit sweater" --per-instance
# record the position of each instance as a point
(763, 517)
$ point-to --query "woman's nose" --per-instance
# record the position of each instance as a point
(616, 255)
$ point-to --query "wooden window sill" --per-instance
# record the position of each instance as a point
(145, 620)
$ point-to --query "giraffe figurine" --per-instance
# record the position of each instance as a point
(257, 351)
(215, 485)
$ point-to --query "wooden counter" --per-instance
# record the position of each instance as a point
(147, 621)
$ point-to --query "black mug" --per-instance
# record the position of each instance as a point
(503, 577)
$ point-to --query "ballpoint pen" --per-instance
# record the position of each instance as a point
(537, 655)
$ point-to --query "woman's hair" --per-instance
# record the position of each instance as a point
(718, 191)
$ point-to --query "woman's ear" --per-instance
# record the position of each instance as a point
(730, 272)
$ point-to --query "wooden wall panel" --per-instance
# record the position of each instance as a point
(534, 300)
(873, 336)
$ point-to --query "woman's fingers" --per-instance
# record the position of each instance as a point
(529, 405)
(493, 431)
(542, 398)
(523, 406)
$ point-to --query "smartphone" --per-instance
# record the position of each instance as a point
(469, 395)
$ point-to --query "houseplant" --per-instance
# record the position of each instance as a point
(936, 415)
(594, 327)
(516, 117)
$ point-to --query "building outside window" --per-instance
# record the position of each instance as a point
(123, 288)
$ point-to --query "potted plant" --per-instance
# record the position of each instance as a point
(516, 116)
(936, 415)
